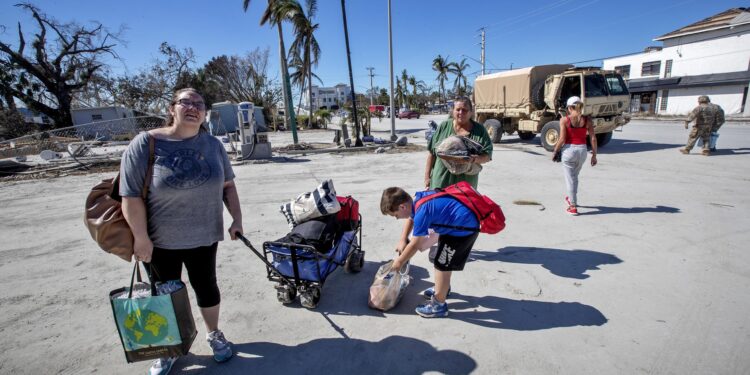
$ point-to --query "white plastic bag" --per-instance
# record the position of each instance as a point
(388, 287)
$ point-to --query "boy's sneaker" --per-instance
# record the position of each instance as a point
(572, 210)
(706, 152)
(429, 292)
(684, 151)
(433, 309)
(220, 346)
(162, 366)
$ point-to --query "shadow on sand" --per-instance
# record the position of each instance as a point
(523, 315)
(601, 210)
(392, 355)
(625, 146)
(564, 263)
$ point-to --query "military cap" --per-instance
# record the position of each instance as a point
(704, 99)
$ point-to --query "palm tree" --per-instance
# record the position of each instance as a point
(298, 78)
(442, 66)
(458, 69)
(358, 141)
(324, 117)
(306, 47)
(277, 12)
(405, 86)
(399, 94)
(415, 84)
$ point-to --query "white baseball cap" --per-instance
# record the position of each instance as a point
(573, 100)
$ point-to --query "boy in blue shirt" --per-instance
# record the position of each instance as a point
(443, 215)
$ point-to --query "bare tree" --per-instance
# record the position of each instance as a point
(46, 78)
(244, 78)
(151, 89)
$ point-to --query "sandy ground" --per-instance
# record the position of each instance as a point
(651, 278)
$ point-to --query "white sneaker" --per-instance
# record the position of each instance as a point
(220, 346)
(162, 366)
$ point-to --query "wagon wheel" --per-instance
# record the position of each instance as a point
(286, 293)
(354, 261)
(310, 297)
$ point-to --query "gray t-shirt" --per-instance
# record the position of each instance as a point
(185, 198)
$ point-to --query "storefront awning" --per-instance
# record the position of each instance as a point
(652, 84)
(717, 79)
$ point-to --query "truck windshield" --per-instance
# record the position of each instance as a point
(595, 85)
(616, 85)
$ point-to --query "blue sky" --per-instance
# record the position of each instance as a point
(521, 33)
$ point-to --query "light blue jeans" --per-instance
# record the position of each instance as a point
(573, 157)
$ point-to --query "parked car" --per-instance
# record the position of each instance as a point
(408, 114)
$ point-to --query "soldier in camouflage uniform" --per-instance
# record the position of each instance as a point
(718, 122)
(705, 117)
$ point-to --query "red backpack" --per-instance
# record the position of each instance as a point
(490, 215)
(348, 216)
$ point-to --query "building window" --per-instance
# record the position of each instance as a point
(651, 68)
(664, 98)
(668, 69)
(623, 70)
(96, 117)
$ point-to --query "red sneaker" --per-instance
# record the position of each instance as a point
(572, 210)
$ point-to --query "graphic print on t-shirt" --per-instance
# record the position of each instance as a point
(189, 169)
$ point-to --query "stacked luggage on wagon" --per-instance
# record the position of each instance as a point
(325, 234)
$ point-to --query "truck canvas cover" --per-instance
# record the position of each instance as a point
(511, 89)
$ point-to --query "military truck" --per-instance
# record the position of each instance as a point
(532, 100)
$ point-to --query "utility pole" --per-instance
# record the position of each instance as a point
(483, 45)
(371, 75)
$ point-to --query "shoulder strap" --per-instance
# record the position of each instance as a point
(421, 201)
(150, 169)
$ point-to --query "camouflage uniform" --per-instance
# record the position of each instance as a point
(719, 121)
(705, 118)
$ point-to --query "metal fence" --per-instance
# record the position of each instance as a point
(57, 139)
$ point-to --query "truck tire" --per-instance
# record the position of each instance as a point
(526, 136)
(494, 130)
(603, 138)
(537, 95)
(550, 134)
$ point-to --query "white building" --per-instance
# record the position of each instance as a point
(710, 57)
(88, 115)
(327, 97)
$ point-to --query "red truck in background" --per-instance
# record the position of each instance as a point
(374, 108)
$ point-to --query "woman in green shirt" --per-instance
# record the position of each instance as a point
(436, 175)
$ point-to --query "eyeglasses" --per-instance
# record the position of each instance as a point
(189, 103)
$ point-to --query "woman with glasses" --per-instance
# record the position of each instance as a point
(181, 220)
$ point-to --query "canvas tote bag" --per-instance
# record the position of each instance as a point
(152, 325)
(319, 202)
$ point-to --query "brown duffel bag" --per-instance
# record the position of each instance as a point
(104, 217)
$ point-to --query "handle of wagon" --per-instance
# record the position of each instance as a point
(263, 258)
